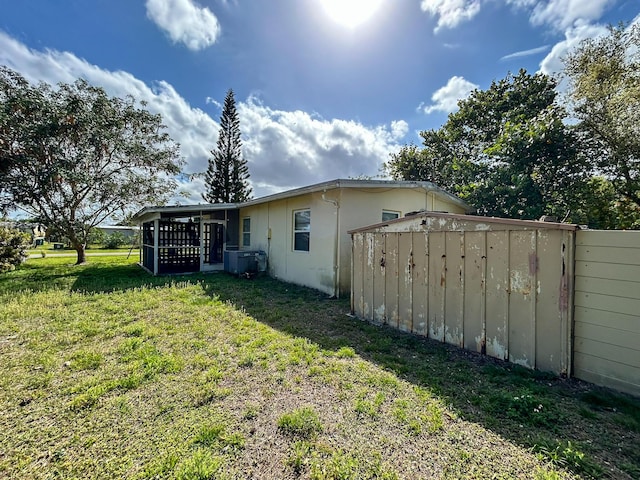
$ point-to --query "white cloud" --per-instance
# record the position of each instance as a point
(446, 98)
(284, 149)
(450, 13)
(399, 128)
(185, 22)
(552, 63)
(563, 14)
(213, 101)
(526, 53)
(292, 148)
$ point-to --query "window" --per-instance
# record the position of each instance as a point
(389, 215)
(301, 230)
(246, 232)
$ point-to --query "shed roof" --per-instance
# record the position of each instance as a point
(469, 218)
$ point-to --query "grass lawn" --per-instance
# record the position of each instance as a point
(49, 250)
(107, 372)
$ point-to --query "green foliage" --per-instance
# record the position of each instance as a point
(13, 248)
(604, 92)
(568, 455)
(201, 465)
(627, 408)
(86, 360)
(216, 436)
(506, 151)
(227, 175)
(524, 407)
(74, 156)
(96, 237)
(370, 407)
(114, 240)
(303, 422)
(601, 207)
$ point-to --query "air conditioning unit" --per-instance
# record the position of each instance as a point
(239, 262)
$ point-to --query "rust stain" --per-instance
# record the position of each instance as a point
(564, 290)
(533, 263)
(483, 346)
(443, 274)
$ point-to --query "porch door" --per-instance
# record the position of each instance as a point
(213, 243)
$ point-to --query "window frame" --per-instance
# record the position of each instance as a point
(301, 231)
(246, 234)
(397, 214)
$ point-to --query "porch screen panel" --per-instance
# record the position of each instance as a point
(179, 247)
(148, 252)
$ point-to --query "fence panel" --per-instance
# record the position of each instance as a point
(607, 309)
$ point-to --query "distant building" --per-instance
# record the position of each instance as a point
(127, 231)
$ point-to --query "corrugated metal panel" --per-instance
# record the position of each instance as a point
(454, 289)
(390, 279)
(499, 289)
(437, 284)
(378, 275)
(420, 283)
(367, 280)
(607, 309)
(497, 295)
(405, 276)
(522, 298)
(475, 292)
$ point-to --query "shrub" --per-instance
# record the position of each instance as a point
(115, 240)
(13, 248)
(96, 237)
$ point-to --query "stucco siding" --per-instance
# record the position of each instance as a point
(275, 220)
(359, 208)
(327, 265)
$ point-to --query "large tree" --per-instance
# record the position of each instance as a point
(506, 151)
(72, 156)
(227, 175)
(604, 91)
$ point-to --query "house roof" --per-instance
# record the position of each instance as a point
(318, 187)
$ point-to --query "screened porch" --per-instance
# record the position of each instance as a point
(184, 242)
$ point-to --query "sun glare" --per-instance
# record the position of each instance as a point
(350, 13)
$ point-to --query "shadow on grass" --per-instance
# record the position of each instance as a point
(582, 427)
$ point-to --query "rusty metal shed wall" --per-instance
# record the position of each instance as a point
(502, 288)
(607, 309)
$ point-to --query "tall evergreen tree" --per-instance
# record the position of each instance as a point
(227, 175)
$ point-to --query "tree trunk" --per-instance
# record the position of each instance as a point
(82, 256)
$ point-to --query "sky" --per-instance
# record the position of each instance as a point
(324, 89)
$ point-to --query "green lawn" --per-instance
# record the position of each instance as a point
(107, 372)
(48, 250)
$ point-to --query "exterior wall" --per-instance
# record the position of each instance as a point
(501, 289)
(359, 208)
(337, 210)
(607, 309)
(272, 231)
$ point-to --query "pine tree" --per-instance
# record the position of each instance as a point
(227, 175)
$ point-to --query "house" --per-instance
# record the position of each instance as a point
(302, 231)
(128, 232)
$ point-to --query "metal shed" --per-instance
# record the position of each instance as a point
(496, 286)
